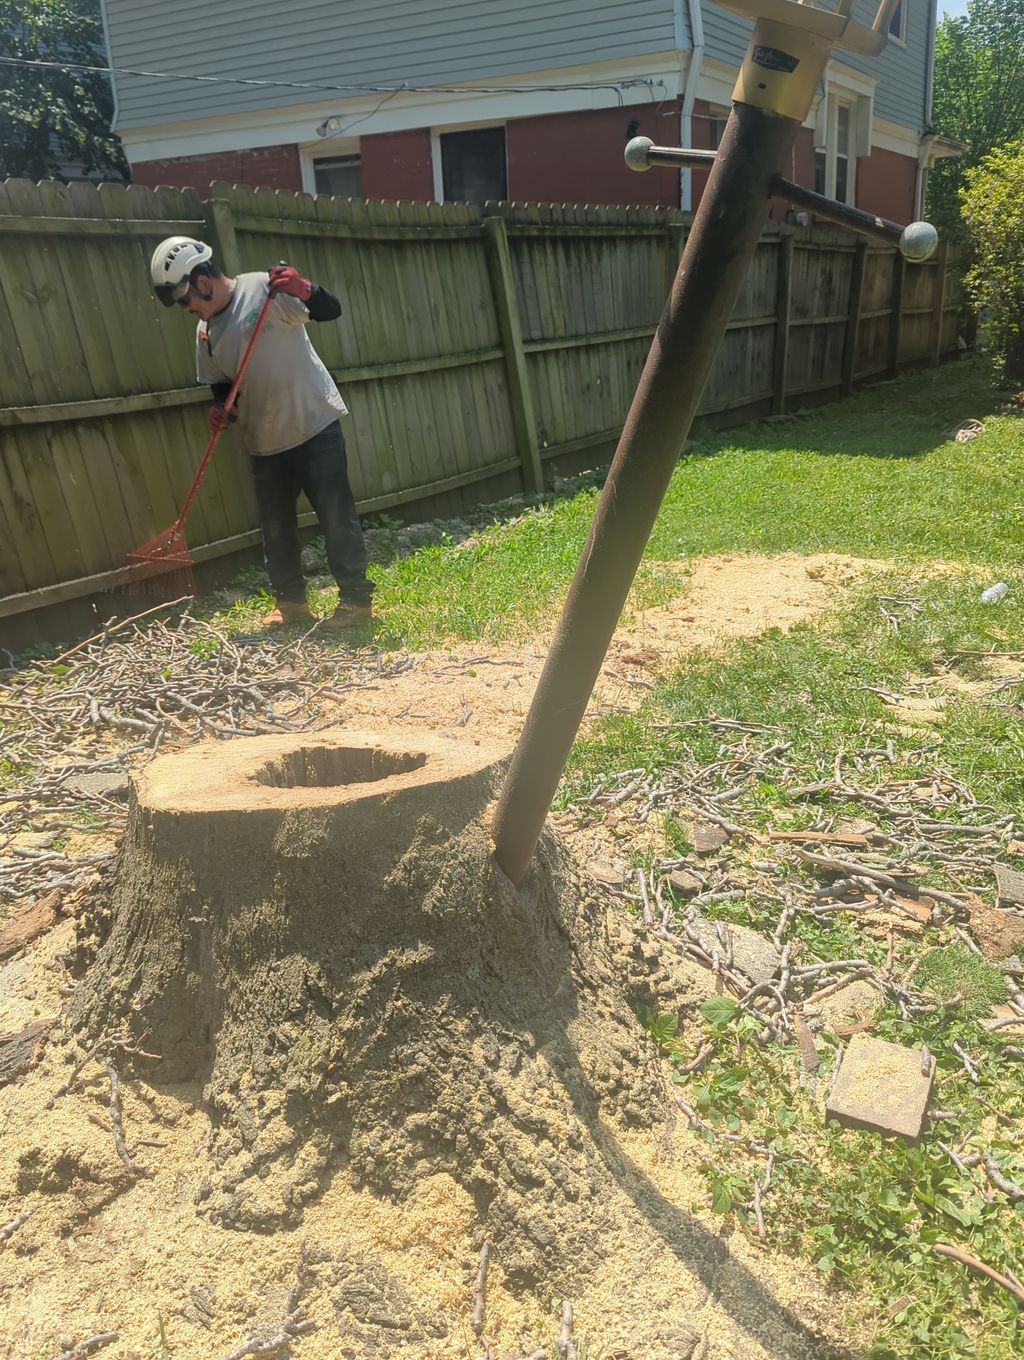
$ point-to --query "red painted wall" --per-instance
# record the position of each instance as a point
(885, 184)
(577, 157)
(273, 167)
(397, 165)
(559, 158)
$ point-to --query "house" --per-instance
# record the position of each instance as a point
(489, 99)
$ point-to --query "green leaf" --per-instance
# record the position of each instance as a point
(721, 1200)
(719, 1011)
(954, 1211)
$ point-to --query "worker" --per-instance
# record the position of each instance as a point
(288, 414)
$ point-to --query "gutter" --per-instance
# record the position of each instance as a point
(110, 63)
(690, 87)
(927, 135)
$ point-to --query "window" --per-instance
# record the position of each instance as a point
(844, 179)
(473, 165)
(717, 119)
(835, 163)
(821, 172)
(898, 22)
(341, 176)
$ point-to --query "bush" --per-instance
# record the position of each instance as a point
(993, 212)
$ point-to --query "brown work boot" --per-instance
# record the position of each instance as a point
(288, 611)
(348, 615)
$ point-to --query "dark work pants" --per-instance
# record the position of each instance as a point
(320, 469)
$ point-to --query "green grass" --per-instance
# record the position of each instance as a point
(817, 685)
(873, 476)
(814, 688)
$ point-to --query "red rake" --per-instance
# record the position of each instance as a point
(167, 555)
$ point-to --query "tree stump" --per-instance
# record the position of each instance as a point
(315, 929)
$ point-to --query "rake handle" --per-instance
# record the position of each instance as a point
(193, 490)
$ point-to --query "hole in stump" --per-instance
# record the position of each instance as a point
(326, 766)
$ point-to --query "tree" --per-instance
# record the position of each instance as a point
(993, 213)
(50, 115)
(979, 95)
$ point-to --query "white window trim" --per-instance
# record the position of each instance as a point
(325, 150)
(901, 39)
(436, 133)
(826, 138)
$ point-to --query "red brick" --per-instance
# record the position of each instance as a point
(272, 167)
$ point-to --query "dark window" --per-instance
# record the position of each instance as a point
(896, 28)
(842, 191)
(339, 175)
(820, 172)
(716, 127)
(473, 165)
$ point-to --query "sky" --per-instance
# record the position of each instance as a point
(952, 7)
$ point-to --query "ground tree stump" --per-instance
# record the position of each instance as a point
(314, 928)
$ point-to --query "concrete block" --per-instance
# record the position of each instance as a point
(881, 1086)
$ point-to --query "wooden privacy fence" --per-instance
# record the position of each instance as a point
(474, 347)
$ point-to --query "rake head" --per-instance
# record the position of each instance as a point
(161, 566)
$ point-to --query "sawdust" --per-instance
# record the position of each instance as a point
(721, 599)
(391, 1274)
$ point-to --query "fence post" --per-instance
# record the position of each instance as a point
(499, 259)
(222, 223)
(783, 306)
(939, 315)
(860, 261)
(899, 273)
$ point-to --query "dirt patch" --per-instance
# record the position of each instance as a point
(571, 1161)
(488, 689)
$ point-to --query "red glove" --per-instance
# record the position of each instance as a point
(219, 418)
(285, 279)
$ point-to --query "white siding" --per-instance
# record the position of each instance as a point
(341, 43)
(901, 72)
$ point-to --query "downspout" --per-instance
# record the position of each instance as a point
(690, 88)
(929, 93)
(110, 63)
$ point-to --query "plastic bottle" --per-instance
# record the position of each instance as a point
(994, 593)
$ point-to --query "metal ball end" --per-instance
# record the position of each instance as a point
(637, 152)
(919, 241)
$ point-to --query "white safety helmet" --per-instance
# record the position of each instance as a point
(173, 262)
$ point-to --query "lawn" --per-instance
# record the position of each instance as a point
(874, 476)
(896, 717)
(878, 477)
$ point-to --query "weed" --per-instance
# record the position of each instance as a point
(956, 971)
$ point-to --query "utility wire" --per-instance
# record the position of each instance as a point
(616, 86)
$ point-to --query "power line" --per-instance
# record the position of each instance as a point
(616, 86)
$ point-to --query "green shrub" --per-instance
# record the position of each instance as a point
(993, 211)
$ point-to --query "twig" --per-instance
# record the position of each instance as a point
(972, 1262)
(970, 1067)
(9, 1229)
(295, 1324)
(107, 631)
(762, 1231)
(567, 1348)
(90, 1344)
(480, 1291)
(133, 1168)
(1012, 1191)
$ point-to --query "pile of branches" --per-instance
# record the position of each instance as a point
(138, 687)
(916, 831)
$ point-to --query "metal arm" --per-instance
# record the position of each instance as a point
(916, 242)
